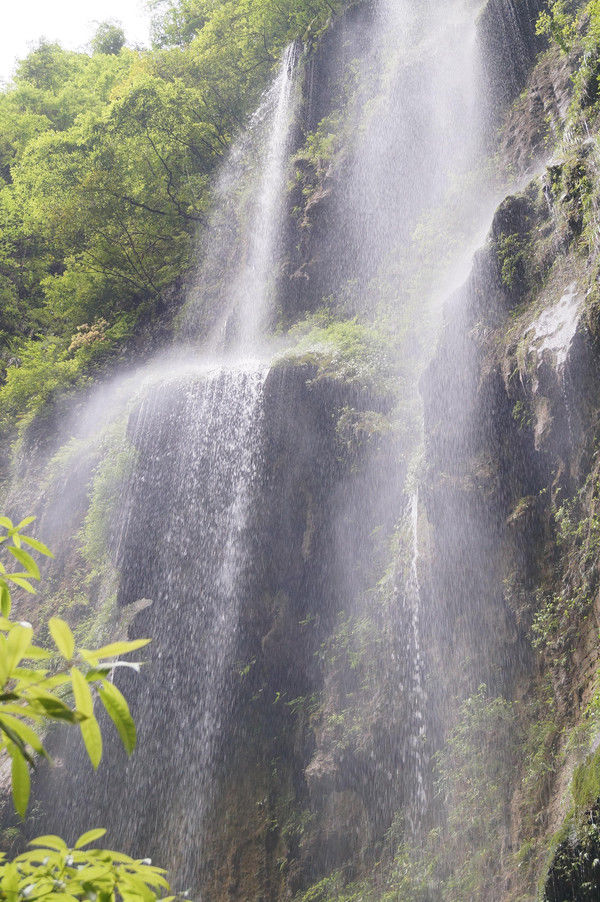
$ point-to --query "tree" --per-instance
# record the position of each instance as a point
(39, 686)
(109, 38)
(107, 171)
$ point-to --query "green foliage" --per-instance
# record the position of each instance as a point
(31, 695)
(106, 173)
(314, 160)
(109, 482)
(585, 785)
(558, 23)
(42, 369)
(109, 38)
(522, 415)
(540, 756)
(38, 687)
(559, 614)
(512, 253)
(52, 869)
(477, 769)
(347, 350)
(321, 144)
(574, 852)
(179, 22)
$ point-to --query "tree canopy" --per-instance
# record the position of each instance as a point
(106, 167)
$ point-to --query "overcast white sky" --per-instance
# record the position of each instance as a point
(70, 22)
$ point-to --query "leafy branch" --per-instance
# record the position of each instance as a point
(33, 688)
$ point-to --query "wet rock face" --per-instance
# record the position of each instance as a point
(511, 417)
(509, 45)
(534, 121)
(497, 431)
(477, 465)
(291, 583)
(325, 250)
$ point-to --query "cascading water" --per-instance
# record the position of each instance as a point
(238, 276)
(186, 547)
(423, 135)
(186, 534)
(413, 598)
(254, 288)
(418, 131)
(200, 441)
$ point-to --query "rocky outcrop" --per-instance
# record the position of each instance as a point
(511, 415)
(508, 46)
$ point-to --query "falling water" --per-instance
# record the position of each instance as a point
(413, 597)
(200, 444)
(188, 541)
(237, 277)
(254, 288)
(186, 547)
(417, 134)
(186, 536)
(199, 441)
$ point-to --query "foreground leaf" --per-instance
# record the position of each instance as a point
(90, 730)
(118, 710)
(21, 782)
(91, 836)
(63, 637)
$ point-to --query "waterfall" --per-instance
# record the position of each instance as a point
(253, 291)
(200, 451)
(234, 289)
(418, 803)
(187, 548)
(193, 549)
(187, 545)
(186, 531)
(415, 139)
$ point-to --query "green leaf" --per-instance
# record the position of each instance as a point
(49, 841)
(91, 836)
(118, 710)
(56, 709)
(5, 604)
(10, 881)
(115, 649)
(34, 653)
(23, 731)
(6, 523)
(21, 783)
(98, 673)
(22, 583)
(37, 546)
(24, 523)
(90, 730)
(28, 562)
(4, 670)
(13, 740)
(63, 637)
(17, 643)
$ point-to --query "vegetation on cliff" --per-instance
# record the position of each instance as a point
(106, 165)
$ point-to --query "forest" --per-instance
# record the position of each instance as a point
(107, 164)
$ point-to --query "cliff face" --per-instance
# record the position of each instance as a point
(511, 415)
(507, 514)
